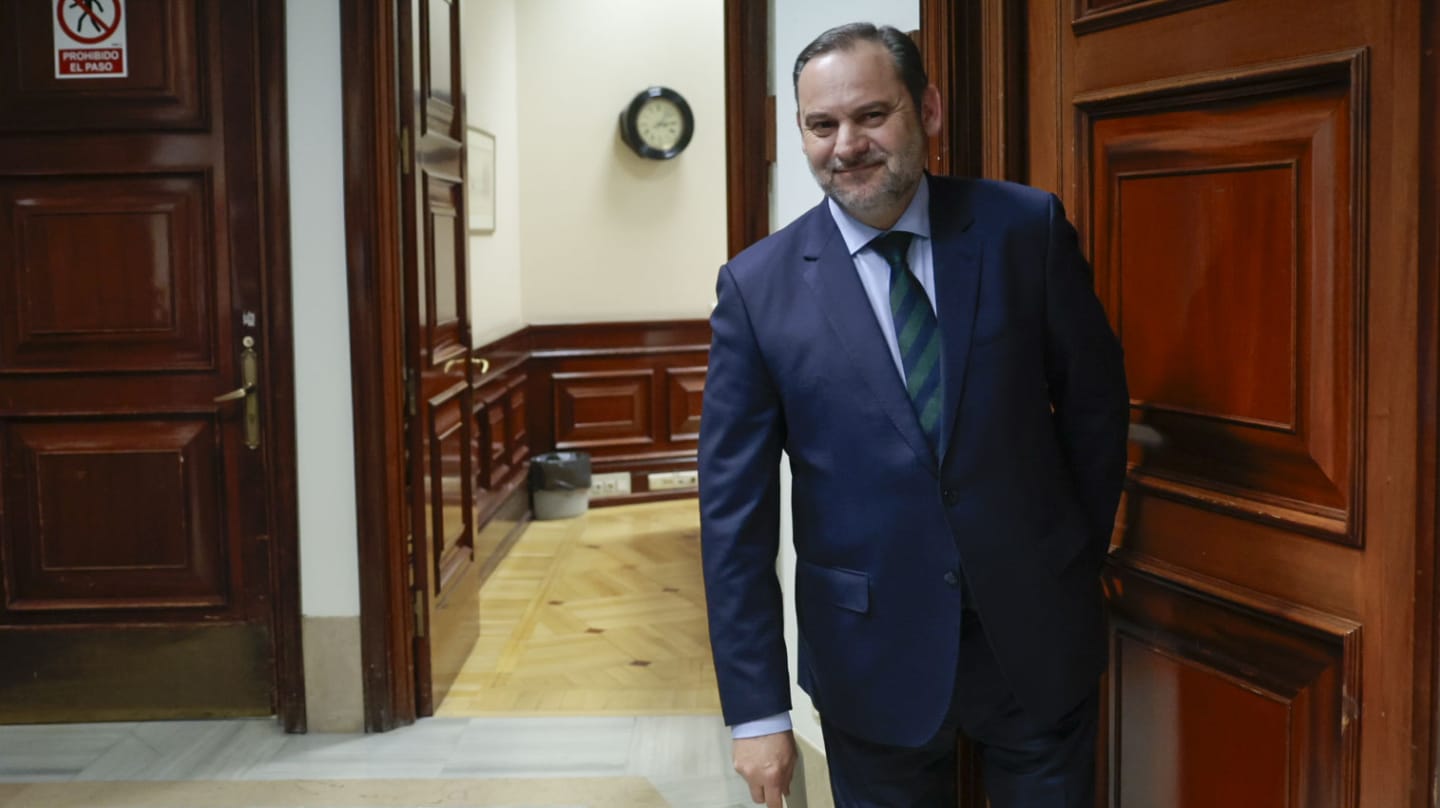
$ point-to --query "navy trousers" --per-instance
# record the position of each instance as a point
(1026, 764)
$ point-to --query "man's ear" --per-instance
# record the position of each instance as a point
(930, 110)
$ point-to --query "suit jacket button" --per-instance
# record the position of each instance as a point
(950, 496)
(951, 578)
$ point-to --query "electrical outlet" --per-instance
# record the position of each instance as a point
(612, 484)
(672, 480)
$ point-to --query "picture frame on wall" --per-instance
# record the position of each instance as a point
(480, 179)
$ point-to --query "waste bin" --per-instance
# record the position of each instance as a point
(560, 483)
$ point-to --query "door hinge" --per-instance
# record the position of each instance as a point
(412, 406)
(410, 560)
(419, 613)
(407, 157)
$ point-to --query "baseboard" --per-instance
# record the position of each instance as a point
(640, 468)
(334, 698)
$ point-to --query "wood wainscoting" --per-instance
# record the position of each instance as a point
(628, 394)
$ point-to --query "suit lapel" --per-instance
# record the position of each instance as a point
(956, 250)
(830, 271)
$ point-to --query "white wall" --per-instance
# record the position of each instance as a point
(491, 92)
(329, 553)
(794, 23)
(606, 235)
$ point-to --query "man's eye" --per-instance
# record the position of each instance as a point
(823, 128)
(873, 117)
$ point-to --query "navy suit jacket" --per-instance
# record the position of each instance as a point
(1017, 504)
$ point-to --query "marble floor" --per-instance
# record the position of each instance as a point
(554, 709)
(602, 762)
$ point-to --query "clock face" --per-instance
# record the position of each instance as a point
(660, 124)
(657, 123)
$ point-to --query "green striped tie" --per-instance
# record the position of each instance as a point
(916, 332)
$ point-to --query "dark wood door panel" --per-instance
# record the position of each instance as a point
(443, 293)
(148, 672)
(1246, 351)
(1243, 175)
(170, 45)
(136, 253)
(1256, 554)
(443, 431)
(1219, 37)
(1229, 699)
(114, 515)
(449, 476)
(439, 44)
(153, 306)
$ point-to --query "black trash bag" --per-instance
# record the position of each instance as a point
(560, 471)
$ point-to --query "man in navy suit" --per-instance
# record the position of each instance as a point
(930, 354)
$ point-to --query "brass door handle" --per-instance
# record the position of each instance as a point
(474, 360)
(250, 376)
(236, 395)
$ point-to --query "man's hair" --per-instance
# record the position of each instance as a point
(908, 64)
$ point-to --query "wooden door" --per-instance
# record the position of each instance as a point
(135, 527)
(1245, 176)
(437, 335)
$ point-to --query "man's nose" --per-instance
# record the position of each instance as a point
(850, 142)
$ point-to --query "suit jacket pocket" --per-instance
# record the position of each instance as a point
(847, 589)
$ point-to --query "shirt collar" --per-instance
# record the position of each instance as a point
(915, 219)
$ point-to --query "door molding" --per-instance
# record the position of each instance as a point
(975, 56)
(1427, 648)
(371, 108)
(280, 367)
(750, 125)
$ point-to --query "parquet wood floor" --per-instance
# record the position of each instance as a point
(603, 614)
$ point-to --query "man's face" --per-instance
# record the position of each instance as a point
(860, 131)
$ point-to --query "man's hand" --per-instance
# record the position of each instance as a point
(766, 763)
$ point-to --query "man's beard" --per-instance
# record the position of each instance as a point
(899, 173)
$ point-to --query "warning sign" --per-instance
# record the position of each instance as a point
(90, 39)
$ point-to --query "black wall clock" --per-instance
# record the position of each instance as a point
(658, 124)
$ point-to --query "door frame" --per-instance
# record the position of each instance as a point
(370, 97)
(750, 122)
(280, 436)
(1427, 645)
